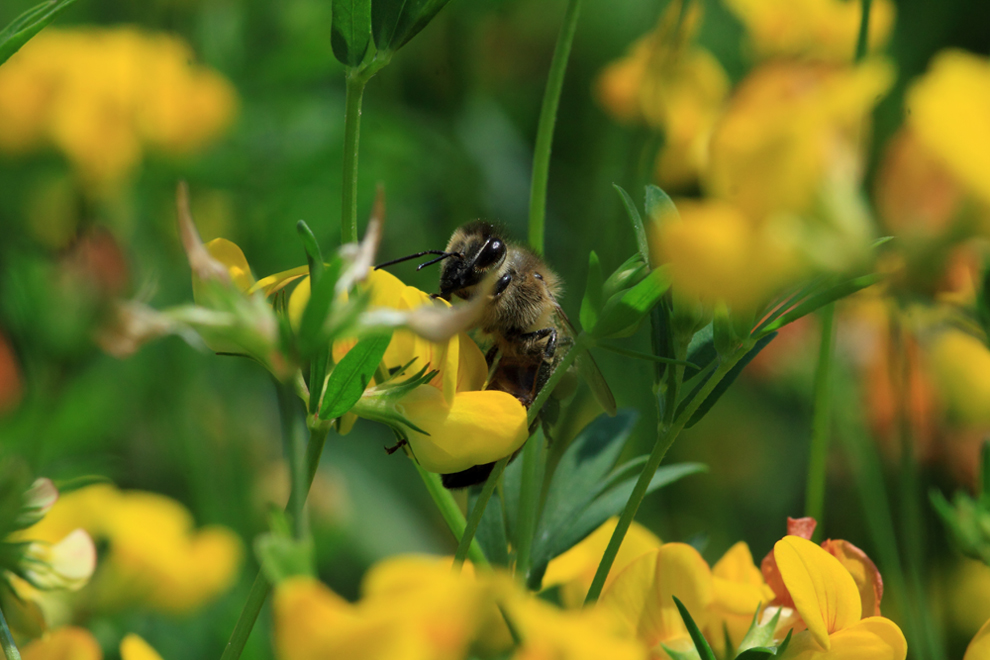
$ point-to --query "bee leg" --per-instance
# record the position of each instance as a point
(394, 448)
(550, 334)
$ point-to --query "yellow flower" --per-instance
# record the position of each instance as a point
(949, 109)
(979, 648)
(132, 647)
(642, 596)
(154, 555)
(828, 601)
(819, 29)
(673, 87)
(739, 592)
(962, 368)
(574, 570)
(717, 253)
(65, 643)
(101, 96)
(789, 130)
(411, 608)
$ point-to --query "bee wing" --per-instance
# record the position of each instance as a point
(589, 370)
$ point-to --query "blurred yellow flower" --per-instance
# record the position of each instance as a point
(65, 643)
(672, 86)
(949, 109)
(155, 556)
(828, 601)
(133, 647)
(819, 29)
(103, 95)
(962, 368)
(716, 253)
(791, 129)
(979, 648)
(574, 570)
(739, 592)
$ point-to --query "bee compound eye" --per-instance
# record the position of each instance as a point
(490, 253)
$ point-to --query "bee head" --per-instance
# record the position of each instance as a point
(480, 250)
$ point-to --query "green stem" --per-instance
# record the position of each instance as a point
(467, 538)
(292, 432)
(7, 641)
(451, 513)
(261, 586)
(664, 442)
(814, 498)
(862, 43)
(646, 356)
(544, 132)
(356, 83)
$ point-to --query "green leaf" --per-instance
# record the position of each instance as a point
(282, 557)
(659, 205)
(351, 376)
(690, 654)
(700, 643)
(29, 24)
(395, 22)
(491, 531)
(639, 231)
(629, 274)
(723, 386)
(759, 636)
(624, 311)
(591, 304)
(350, 34)
(821, 299)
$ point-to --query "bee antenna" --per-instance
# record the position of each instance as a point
(414, 256)
(440, 258)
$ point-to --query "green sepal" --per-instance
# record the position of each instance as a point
(351, 376)
(629, 274)
(281, 555)
(968, 519)
(659, 206)
(28, 24)
(395, 22)
(622, 314)
(700, 643)
(591, 304)
(759, 635)
(350, 34)
(636, 220)
(764, 652)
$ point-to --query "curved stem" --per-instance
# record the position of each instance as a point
(862, 43)
(529, 495)
(352, 131)
(544, 132)
(664, 443)
(451, 513)
(814, 498)
(261, 586)
(479, 509)
(7, 641)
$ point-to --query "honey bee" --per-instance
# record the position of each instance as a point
(528, 331)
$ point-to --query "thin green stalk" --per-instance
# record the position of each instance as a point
(646, 356)
(544, 132)
(862, 43)
(7, 641)
(261, 586)
(293, 433)
(814, 497)
(479, 509)
(529, 497)
(664, 442)
(356, 83)
(451, 513)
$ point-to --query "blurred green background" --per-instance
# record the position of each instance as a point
(448, 129)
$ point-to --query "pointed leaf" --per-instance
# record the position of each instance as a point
(625, 310)
(350, 33)
(395, 22)
(491, 531)
(821, 299)
(591, 304)
(659, 205)
(639, 231)
(351, 376)
(28, 24)
(704, 650)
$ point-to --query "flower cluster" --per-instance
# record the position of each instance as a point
(104, 96)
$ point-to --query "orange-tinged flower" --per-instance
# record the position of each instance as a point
(828, 601)
(574, 570)
(949, 110)
(818, 29)
(65, 643)
(642, 596)
(979, 648)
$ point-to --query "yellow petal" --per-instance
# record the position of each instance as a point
(979, 648)
(65, 643)
(575, 569)
(133, 647)
(476, 428)
(273, 283)
(739, 591)
(824, 592)
(232, 257)
(874, 638)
